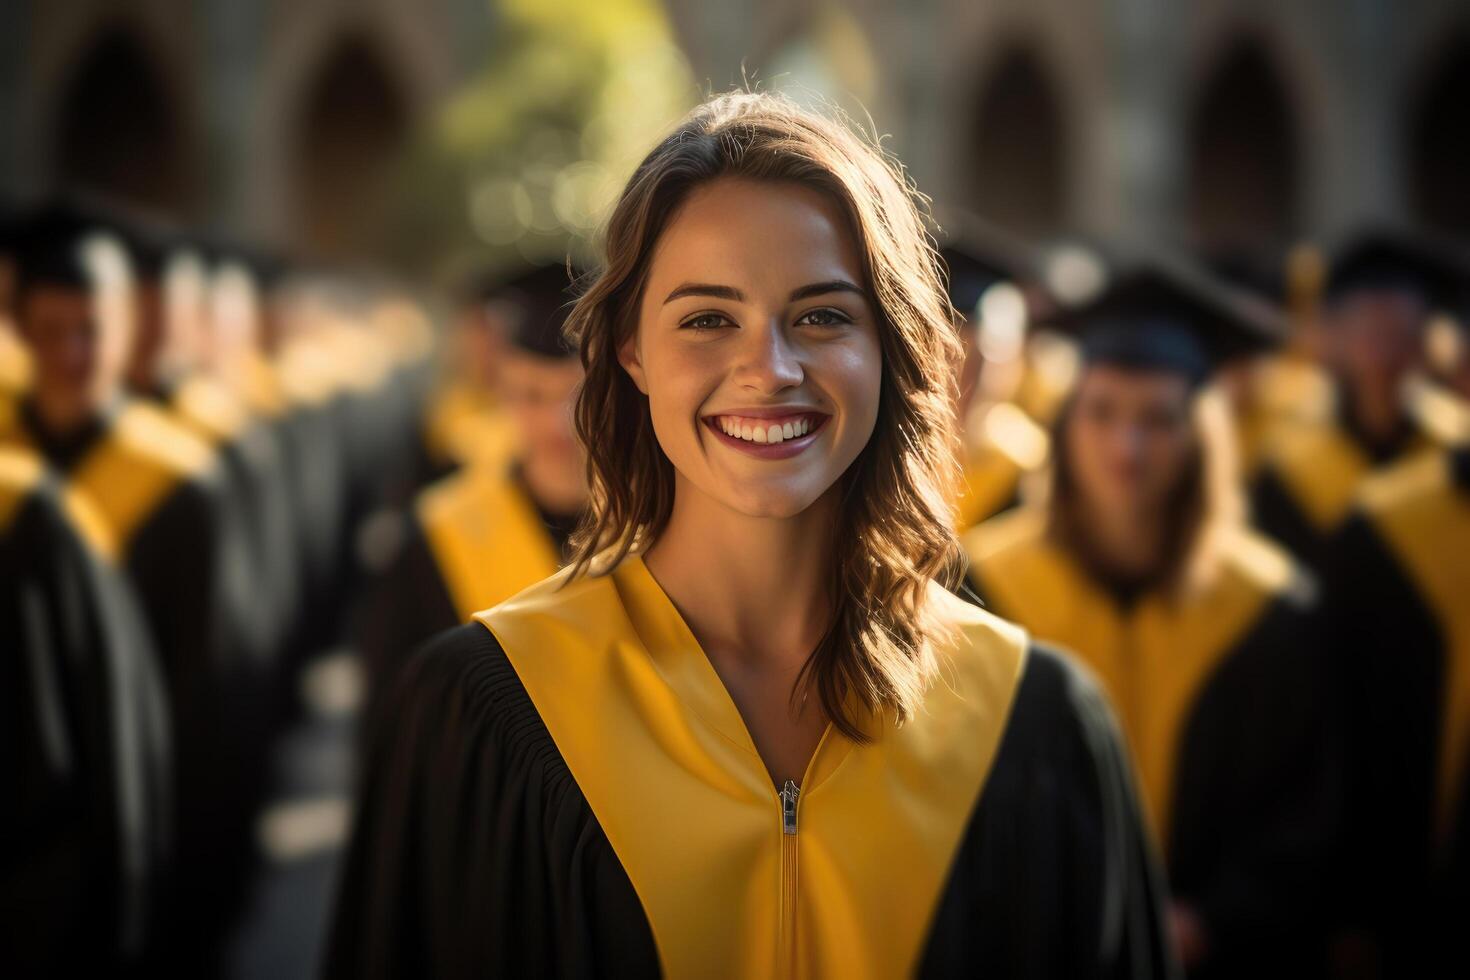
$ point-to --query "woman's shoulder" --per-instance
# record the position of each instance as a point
(459, 694)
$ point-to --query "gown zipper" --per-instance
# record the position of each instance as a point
(786, 948)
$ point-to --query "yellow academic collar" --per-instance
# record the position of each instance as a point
(486, 537)
(141, 456)
(664, 759)
(1323, 467)
(1154, 658)
(1424, 518)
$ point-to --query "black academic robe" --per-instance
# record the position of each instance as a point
(85, 752)
(265, 583)
(314, 446)
(1220, 695)
(518, 818)
(158, 491)
(472, 540)
(1397, 603)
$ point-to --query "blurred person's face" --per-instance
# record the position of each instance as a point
(539, 393)
(478, 343)
(77, 352)
(186, 312)
(234, 317)
(757, 347)
(1375, 337)
(1128, 439)
(149, 334)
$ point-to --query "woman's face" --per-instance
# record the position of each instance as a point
(757, 346)
(1129, 438)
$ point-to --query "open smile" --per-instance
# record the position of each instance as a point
(768, 436)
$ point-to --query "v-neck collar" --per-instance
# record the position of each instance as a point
(686, 668)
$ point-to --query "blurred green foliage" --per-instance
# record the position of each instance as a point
(524, 162)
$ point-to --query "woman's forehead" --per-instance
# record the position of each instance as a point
(755, 236)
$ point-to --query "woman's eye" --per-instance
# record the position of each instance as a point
(705, 321)
(825, 317)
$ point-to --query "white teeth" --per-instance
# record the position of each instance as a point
(754, 431)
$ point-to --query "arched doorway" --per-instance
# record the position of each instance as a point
(1439, 141)
(1017, 174)
(352, 122)
(119, 128)
(1243, 163)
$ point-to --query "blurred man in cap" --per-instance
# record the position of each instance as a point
(1380, 295)
(1399, 574)
(498, 525)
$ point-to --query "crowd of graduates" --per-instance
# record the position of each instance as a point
(215, 463)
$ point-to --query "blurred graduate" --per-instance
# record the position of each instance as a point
(1140, 563)
(86, 752)
(1399, 575)
(159, 493)
(1381, 292)
(479, 536)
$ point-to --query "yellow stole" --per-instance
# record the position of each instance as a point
(211, 410)
(21, 471)
(1425, 520)
(486, 538)
(1323, 469)
(139, 460)
(1153, 659)
(665, 761)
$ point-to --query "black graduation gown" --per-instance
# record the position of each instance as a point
(314, 445)
(1221, 698)
(158, 491)
(1400, 572)
(84, 742)
(264, 583)
(476, 850)
(471, 540)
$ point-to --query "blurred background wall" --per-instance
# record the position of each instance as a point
(421, 130)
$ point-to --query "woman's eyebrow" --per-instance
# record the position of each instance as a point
(731, 293)
(822, 288)
(705, 289)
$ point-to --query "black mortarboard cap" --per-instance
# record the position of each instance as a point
(48, 243)
(971, 271)
(1170, 315)
(541, 299)
(1396, 260)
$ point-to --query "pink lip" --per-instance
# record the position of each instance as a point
(765, 450)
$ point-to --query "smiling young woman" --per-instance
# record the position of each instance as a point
(749, 732)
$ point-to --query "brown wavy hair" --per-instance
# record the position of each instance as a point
(895, 524)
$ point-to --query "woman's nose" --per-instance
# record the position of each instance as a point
(769, 362)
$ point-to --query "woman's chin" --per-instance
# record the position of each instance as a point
(770, 503)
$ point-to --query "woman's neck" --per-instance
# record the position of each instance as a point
(754, 588)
